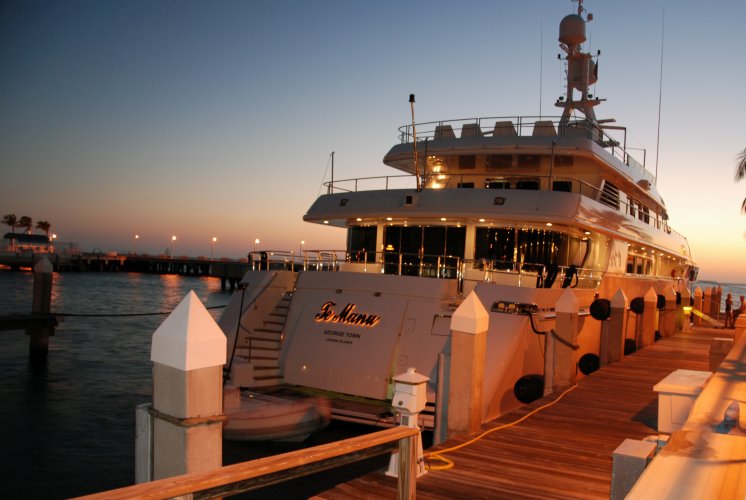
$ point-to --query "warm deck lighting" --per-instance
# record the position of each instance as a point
(549, 224)
(443, 219)
(481, 220)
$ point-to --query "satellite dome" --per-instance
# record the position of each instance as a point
(572, 30)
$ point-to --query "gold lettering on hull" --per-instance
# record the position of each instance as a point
(347, 316)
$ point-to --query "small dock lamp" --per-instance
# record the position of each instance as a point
(410, 398)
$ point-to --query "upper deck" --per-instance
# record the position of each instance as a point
(495, 145)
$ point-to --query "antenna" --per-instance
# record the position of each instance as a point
(660, 96)
(541, 61)
(414, 137)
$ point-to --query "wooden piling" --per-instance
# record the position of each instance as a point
(646, 325)
(41, 305)
(614, 330)
(698, 301)
(560, 352)
(188, 351)
(469, 326)
(667, 323)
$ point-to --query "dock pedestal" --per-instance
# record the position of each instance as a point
(630, 459)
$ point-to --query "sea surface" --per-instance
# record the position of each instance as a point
(67, 427)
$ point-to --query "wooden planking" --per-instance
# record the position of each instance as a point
(564, 451)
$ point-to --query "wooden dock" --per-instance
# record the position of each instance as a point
(565, 450)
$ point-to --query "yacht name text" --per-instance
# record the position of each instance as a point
(347, 316)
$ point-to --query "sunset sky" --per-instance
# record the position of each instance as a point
(216, 119)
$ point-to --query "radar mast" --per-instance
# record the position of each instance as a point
(581, 69)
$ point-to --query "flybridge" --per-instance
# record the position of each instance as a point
(347, 316)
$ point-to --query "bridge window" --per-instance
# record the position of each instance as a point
(499, 161)
(467, 161)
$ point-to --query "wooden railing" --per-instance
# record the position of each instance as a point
(255, 474)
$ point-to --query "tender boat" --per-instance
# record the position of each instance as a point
(253, 416)
(513, 209)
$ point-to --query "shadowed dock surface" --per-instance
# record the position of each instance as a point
(564, 451)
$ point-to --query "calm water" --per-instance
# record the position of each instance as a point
(68, 428)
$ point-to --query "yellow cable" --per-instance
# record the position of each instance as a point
(437, 455)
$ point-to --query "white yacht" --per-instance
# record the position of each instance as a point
(513, 209)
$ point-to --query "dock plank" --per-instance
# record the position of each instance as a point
(563, 451)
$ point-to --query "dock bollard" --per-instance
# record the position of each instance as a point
(410, 398)
(188, 354)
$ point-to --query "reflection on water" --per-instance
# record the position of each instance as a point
(68, 427)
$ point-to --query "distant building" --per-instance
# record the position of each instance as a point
(27, 243)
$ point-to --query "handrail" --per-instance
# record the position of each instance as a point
(255, 474)
(239, 326)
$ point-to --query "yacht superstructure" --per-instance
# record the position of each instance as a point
(514, 209)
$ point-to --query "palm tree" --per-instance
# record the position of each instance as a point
(741, 172)
(44, 226)
(26, 222)
(12, 221)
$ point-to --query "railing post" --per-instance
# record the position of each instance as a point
(407, 481)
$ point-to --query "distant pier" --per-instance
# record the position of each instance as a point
(229, 271)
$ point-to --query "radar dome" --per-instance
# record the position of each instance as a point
(572, 30)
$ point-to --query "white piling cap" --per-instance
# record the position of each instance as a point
(43, 266)
(567, 303)
(650, 295)
(619, 300)
(471, 316)
(189, 338)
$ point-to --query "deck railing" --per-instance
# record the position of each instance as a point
(477, 181)
(255, 474)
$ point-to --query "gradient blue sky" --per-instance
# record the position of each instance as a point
(216, 119)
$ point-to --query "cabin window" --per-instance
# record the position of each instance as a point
(496, 245)
(529, 161)
(467, 162)
(433, 251)
(563, 161)
(564, 186)
(495, 162)
(644, 214)
(466, 185)
(530, 184)
(631, 204)
(361, 243)
(496, 184)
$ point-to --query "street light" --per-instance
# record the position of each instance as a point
(173, 238)
(256, 242)
(212, 247)
(134, 243)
